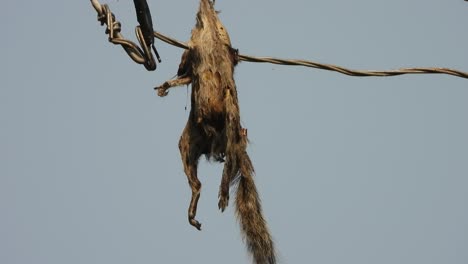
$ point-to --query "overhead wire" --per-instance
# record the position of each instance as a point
(105, 16)
(329, 67)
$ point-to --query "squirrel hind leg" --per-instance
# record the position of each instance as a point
(190, 157)
(223, 194)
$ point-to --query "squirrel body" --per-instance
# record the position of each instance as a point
(214, 130)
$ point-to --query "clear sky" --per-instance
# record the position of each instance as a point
(350, 170)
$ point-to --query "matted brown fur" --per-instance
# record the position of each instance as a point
(214, 129)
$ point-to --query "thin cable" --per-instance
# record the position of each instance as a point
(330, 67)
(358, 73)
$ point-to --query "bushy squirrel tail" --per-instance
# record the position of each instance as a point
(249, 212)
(239, 170)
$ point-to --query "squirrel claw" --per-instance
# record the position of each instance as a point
(195, 223)
(223, 202)
(162, 90)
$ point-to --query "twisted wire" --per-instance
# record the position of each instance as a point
(139, 55)
(357, 73)
(330, 67)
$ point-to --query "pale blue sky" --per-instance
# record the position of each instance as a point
(350, 170)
